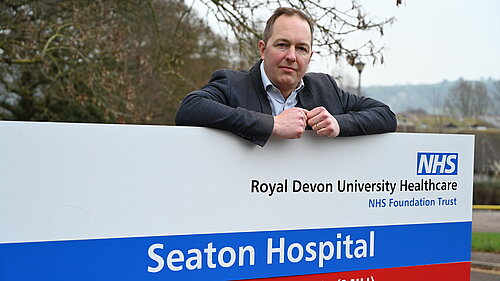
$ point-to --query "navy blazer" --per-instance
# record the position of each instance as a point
(236, 101)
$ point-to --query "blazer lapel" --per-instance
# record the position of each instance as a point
(259, 86)
(305, 99)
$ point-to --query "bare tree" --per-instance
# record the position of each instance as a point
(124, 61)
(481, 103)
(496, 96)
(438, 105)
(335, 23)
(467, 98)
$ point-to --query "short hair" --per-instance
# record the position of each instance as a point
(287, 12)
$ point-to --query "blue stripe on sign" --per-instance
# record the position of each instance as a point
(233, 256)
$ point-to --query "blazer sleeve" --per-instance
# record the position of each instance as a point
(222, 104)
(362, 115)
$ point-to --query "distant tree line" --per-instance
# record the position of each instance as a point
(472, 99)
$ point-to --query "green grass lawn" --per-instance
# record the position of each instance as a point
(486, 242)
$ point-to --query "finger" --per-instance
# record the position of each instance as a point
(296, 111)
(304, 112)
(317, 115)
(298, 115)
(313, 121)
(304, 122)
(327, 131)
(330, 129)
(315, 111)
(316, 126)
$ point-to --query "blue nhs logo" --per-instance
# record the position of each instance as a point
(432, 163)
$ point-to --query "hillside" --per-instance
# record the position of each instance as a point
(429, 98)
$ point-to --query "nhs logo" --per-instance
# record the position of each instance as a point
(433, 163)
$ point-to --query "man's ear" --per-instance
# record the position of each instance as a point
(262, 49)
(310, 57)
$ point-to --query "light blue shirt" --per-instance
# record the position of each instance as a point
(276, 99)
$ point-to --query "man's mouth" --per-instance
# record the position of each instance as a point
(288, 68)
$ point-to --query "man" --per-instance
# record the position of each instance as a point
(277, 97)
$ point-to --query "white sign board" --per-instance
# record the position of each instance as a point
(129, 202)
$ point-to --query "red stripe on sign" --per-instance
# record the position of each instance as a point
(448, 271)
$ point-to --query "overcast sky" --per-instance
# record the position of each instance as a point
(432, 40)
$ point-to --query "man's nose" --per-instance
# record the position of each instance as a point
(290, 55)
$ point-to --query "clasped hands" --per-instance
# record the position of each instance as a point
(291, 123)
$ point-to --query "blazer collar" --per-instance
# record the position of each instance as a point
(259, 86)
(305, 98)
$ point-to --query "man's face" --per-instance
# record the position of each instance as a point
(287, 53)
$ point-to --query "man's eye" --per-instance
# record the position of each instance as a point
(303, 49)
